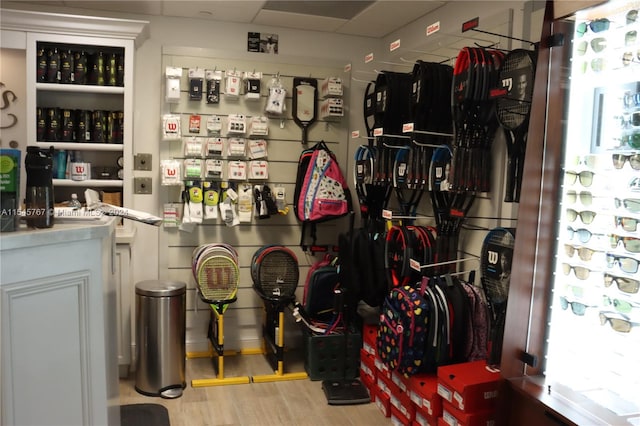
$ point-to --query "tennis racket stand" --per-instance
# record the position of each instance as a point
(273, 341)
(215, 333)
(345, 391)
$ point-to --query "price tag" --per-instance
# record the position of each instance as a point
(387, 214)
(355, 134)
(378, 131)
(394, 45)
(368, 58)
(414, 264)
(407, 127)
(347, 68)
(433, 28)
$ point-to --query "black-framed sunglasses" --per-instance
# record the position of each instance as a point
(585, 176)
(629, 243)
(596, 26)
(581, 272)
(633, 159)
(631, 204)
(624, 284)
(626, 264)
(577, 308)
(629, 224)
(632, 16)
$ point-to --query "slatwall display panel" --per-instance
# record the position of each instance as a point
(244, 318)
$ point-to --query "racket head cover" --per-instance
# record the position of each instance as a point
(495, 261)
(516, 74)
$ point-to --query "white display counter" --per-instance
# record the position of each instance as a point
(58, 347)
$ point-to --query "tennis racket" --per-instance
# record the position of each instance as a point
(495, 264)
(275, 273)
(217, 275)
(513, 109)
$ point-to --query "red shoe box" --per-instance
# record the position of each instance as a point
(400, 380)
(382, 368)
(382, 401)
(369, 335)
(454, 417)
(369, 382)
(367, 365)
(469, 386)
(398, 418)
(423, 391)
(402, 403)
(422, 418)
(386, 385)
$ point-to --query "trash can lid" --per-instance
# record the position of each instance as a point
(158, 288)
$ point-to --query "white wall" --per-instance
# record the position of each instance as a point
(307, 47)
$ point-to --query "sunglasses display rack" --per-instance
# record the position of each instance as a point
(596, 286)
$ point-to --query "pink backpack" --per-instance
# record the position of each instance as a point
(321, 191)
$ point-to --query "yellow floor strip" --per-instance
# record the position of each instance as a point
(279, 377)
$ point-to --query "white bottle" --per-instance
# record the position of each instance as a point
(75, 203)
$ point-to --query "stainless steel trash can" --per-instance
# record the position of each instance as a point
(160, 338)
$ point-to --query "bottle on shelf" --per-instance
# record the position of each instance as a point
(53, 65)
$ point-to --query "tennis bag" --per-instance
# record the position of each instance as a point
(321, 191)
(403, 330)
(319, 296)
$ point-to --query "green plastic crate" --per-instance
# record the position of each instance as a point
(325, 356)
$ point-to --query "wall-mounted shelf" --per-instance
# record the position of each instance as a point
(101, 183)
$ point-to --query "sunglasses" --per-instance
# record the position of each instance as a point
(596, 26)
(581, 272)
(584, 235)
(631, 100)
(629, 243)
(618, 324)
(630, 37)
(597, 45)
(622, 306)
(631, 204)
(627, 58)
(627, 223)
(633, 159)
(632, 16)
(586, 216)
(625, 285)
(584, 253)
(626, 264)
(575, 290)
(598, 64)
(576, 307)
(586, 197)
(586, 177)
(587, 160)
(632, 140)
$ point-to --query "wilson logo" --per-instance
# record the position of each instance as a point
(492, 257)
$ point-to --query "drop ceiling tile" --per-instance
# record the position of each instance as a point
(384, 17)
(298, 21)
(230, 11)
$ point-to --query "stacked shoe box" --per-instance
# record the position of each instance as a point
(404, 400)
(469, 394)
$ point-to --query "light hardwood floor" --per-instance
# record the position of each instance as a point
(282, 403)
